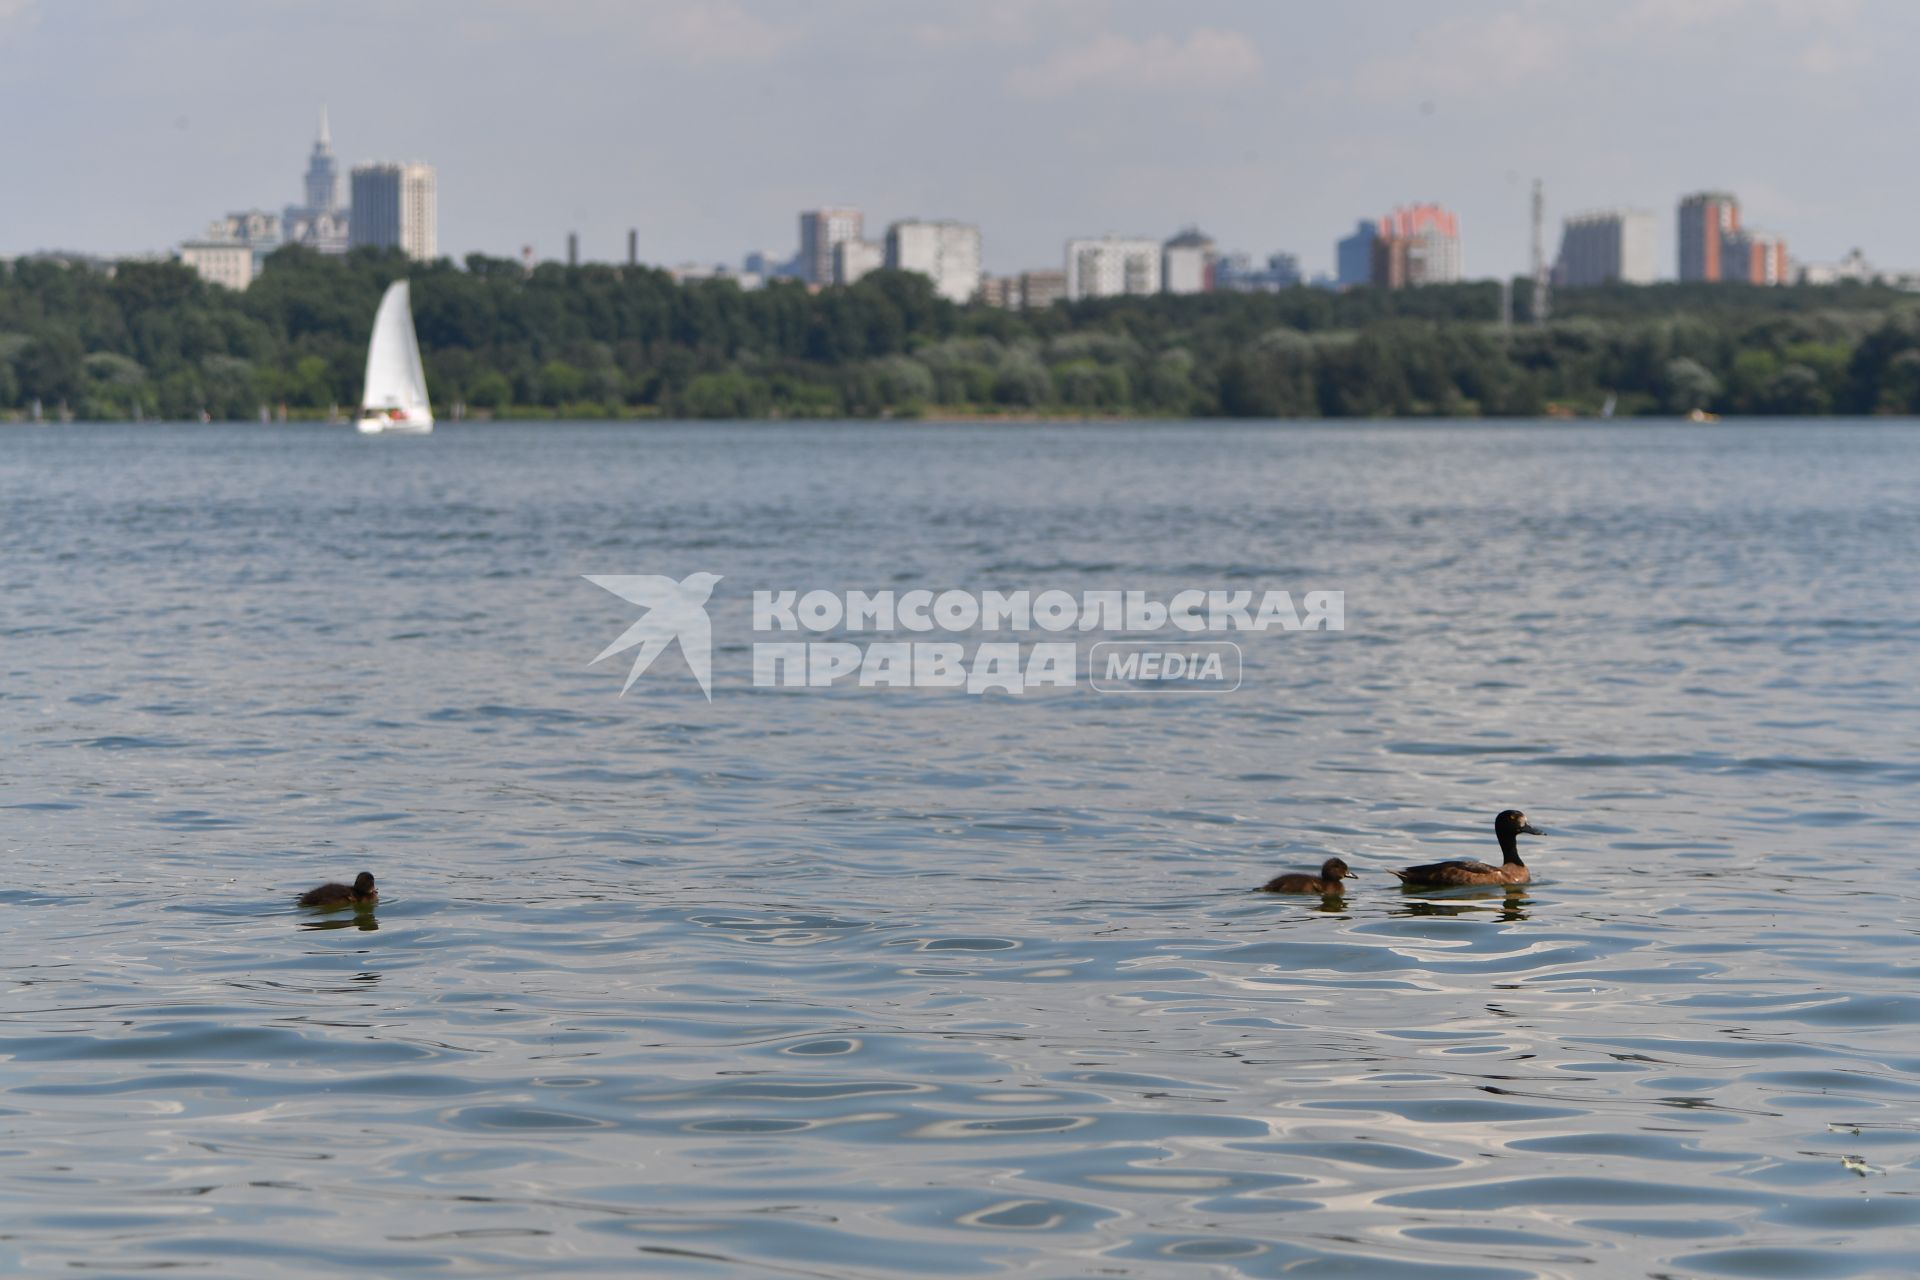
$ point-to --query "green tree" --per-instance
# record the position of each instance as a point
(1690, 386)
(50, 368)
(725, 395)
(1022, 381)
(600, 339)
(560, 383)
(1795, 389)
(491, 390)
(1900, 384)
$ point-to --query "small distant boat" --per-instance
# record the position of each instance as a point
(1606, 410)
(1701, 415)
(394, 400)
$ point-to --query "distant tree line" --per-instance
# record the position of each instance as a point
(151, 340)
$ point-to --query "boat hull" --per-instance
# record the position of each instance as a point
(383, 426)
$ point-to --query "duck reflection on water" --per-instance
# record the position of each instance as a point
(1512, 903)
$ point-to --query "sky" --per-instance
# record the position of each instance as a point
(1271, 124)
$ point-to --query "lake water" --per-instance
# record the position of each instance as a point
(908, 982)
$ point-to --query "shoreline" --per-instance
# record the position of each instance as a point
(997, 419)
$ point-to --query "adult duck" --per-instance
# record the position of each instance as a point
(1508, 827)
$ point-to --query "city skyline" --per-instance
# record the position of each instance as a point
(1037, 125)
(1410, 246)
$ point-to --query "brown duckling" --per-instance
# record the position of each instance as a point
(1508, 827)
(1326, 884)
(358, 894)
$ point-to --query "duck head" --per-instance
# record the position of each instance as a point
(1512, 822)
(1508, 827)
(1334, 869)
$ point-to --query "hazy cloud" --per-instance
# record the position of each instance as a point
(1001, 22)
(1477, 56)
(1207, 59)
(1487, 54)
(706, 125)
(718, 32)
(704, 32)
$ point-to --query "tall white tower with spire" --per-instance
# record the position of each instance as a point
(320, 223)
(323, 179)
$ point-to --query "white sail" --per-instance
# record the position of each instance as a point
(395, 398)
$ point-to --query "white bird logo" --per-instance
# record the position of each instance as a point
(675, 611)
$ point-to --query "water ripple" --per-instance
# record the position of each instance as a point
(798, 986)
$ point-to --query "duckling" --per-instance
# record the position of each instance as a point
(360, 893)
(1508, 826)
(1326, 884)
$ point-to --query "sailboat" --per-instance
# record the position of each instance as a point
(395, 398)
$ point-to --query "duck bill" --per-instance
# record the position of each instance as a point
(1527, 828)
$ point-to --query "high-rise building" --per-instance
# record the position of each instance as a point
(1041, 289)
(1231, 271)
(1415, 245)
(820, 230)
(855, 258)
(394, 207)
(1235, 273)
(1707, 218)
(1028, 291)
(1715, 246)
(1112, 266)
(320, 223)
(948, 253)
(1283, 269)
(323, 176)
(999, 291)
(1353, 256)
(1607, 246)
(1753, 256)
(1186, 262)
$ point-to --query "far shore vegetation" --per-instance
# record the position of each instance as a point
(150, 340)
